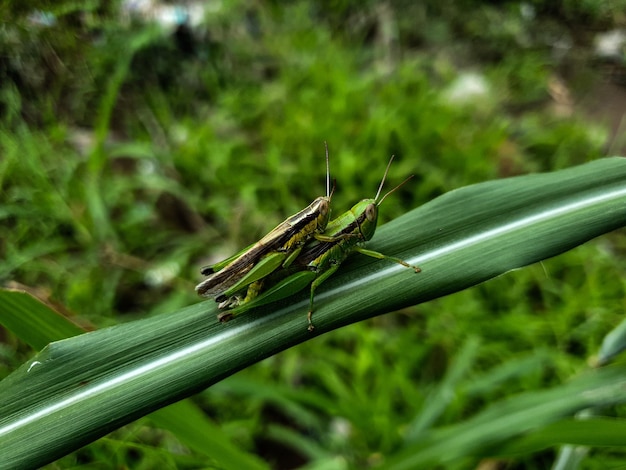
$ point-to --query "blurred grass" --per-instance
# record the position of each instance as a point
(130, 156)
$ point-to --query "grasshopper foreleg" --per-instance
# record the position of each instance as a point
(321, 278)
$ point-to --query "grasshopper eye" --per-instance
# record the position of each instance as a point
(371, 212)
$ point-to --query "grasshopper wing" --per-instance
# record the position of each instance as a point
(284, 239)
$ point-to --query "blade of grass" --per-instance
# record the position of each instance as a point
(34, 322)
(37, 324)
(189, 424)
(500, 424)
(596, 431)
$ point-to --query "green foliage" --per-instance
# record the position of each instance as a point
(130, 155)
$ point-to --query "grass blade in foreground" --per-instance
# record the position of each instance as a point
(37, 325)
(78, 389)
(528, 414)
(33, 322)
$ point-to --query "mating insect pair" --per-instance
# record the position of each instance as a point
(305, 249)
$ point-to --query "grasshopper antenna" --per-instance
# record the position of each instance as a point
(332, 191)
(328, 192)
(380, 188)
(394, 189)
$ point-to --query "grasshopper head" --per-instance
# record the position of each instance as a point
(367, 210)
(366, 214)
(322, 206)
(368, 227)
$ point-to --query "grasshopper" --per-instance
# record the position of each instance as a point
(278, 248)
(320, 259)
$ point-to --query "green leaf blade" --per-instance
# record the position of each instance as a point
(78, 389)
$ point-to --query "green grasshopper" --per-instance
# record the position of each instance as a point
(278, 248)
(320, 259)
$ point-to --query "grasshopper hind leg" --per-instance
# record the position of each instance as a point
(235, 301)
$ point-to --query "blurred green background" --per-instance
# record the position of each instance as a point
(142, 140)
